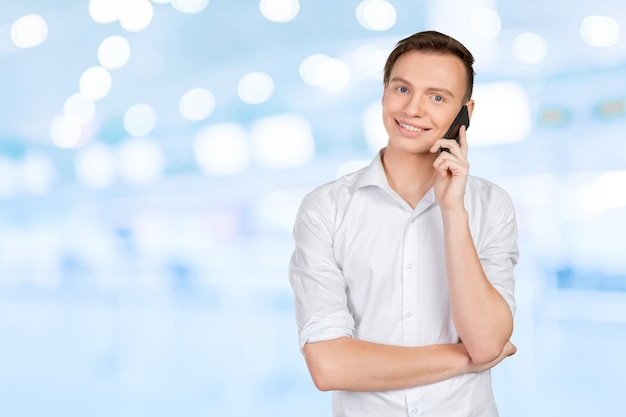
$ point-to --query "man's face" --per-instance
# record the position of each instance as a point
(424, 94)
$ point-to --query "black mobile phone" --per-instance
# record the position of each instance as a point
(462, 119)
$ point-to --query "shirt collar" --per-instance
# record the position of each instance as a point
(374, 175)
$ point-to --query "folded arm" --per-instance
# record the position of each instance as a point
(355, 365)
(481, 315)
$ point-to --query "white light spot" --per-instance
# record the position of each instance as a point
(136, 15)
(255, 87)
(598, 196)
(29, 31)
(320, 70)
(223, 149)
(378, 15)
(600, 31)
(79, 109)
(370, 60)
(114, 52)
(95, 166)
(37, 174)
(374, 128)
(530, 48)
(95, 83)
(105, 11)
(141, 161)
(283, 141)
(197, 104)
(485, 23)
(140, 119)
(66, 133)
(503, 115)
(161, 1)
(279, 10)
(190, 6)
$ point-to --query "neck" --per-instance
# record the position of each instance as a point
(409, 175)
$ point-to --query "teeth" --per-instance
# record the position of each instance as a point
(409, 127)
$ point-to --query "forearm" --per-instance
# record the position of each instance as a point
(481, 316)
(355, 365)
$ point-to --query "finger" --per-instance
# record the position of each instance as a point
(447, 164)
(463, 139)
(445, 145)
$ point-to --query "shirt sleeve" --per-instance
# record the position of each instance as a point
(318, 284)
(499, 252)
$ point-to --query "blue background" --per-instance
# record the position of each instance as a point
(171, 296)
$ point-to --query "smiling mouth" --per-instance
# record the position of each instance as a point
(410, 127)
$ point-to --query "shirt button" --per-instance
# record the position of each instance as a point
(409, 314)
(414, 411)
(409, 266)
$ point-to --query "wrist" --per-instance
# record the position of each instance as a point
(454, 215)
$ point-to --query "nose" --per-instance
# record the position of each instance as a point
(414, 107)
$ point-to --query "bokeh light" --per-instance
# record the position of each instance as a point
(320, 70)
(598, 196)
(114, 52)
(37, 174)
(223, 149)
(255, 87)
(95, 166)
(95, 83)
(485, 23)
(29, 31)
(530, 48)
(197, 104)
(141, 161)
(370, 60)
(282, 142)
(190, 6)
(140, 119)
(501, 115)
(136, 15)
(279, 10)
(600, 31)
(105, 11)
(79, 109)
(66, 133)
(377, 15)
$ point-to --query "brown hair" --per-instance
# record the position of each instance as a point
(435, 42)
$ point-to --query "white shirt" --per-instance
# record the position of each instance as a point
(368, 266)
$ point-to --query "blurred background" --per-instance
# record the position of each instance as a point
(153, 155)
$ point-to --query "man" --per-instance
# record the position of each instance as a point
(403, 271)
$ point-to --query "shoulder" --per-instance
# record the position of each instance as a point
(333, 193)
(483, 192)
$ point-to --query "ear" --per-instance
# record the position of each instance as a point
(382, 98)
(470, 107)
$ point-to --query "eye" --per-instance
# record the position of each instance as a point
(402, 89)
(438, 98)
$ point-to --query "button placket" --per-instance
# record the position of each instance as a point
(409, 284)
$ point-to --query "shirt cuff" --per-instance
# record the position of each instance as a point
(332, 326)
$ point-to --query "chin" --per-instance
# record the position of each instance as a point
(409, 145)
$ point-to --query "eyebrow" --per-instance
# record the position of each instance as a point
(440, 90)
